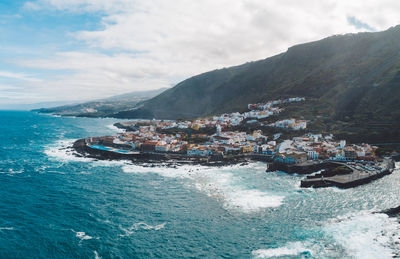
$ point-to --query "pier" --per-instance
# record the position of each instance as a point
(358, 176)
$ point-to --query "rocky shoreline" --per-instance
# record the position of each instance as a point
(392, 212)
(153, 158)
(307, 167)
(320, 173)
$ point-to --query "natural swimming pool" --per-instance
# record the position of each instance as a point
(100, 147)
(109, 149)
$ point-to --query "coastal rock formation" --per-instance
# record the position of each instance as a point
(392, 212)
(307, 167)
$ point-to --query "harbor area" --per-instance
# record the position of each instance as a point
(347, 175)
(320, 173)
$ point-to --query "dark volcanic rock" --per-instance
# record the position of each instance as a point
(300, 168)
(393, 212)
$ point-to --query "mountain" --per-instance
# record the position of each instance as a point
(351, 83)
(30, 106)
(104, 107)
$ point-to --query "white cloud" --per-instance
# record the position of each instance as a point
(19, 76)
(154, 43)
(80, 5)
(91, 75)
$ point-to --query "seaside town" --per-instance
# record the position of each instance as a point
(243, 137)
(182, 137)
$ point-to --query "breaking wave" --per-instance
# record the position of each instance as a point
(115, 129)
(11, 171)
(6, 228)
(290, 249)
(140, 226)
(82, 235)
(62, 151)
(362, 235)
(222, 183)
(96, 255)
(366, 235)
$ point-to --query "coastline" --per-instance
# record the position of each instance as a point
(392, 212)
(154, 158)
(328, 173)
(241, 192)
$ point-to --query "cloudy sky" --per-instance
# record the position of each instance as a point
(62, 50)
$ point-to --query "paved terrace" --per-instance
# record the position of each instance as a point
(359, 176)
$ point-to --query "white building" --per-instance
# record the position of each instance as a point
(285, 145)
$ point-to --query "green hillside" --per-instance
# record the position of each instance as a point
(351, 82)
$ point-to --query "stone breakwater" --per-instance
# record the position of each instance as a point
(348, 176)
(307, 167)
(330, 173)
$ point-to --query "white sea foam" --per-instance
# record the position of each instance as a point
(220, 183)
(336, 189)
(116, 129)
(365, 235)
(143, 225)
(96, 255)
(82, 235)
(6, 228)
(140, 226)
(11, 171)
(216, 182)
(41, 168)
(50, 115)
(290, 249)
(62, 151)
(253, 200)
(358, 235)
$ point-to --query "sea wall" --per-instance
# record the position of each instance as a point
(305, 168)
(347, 176)
(321, 182)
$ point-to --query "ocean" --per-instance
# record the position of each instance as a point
(56, 205)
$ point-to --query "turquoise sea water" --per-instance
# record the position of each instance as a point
(56, 205)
